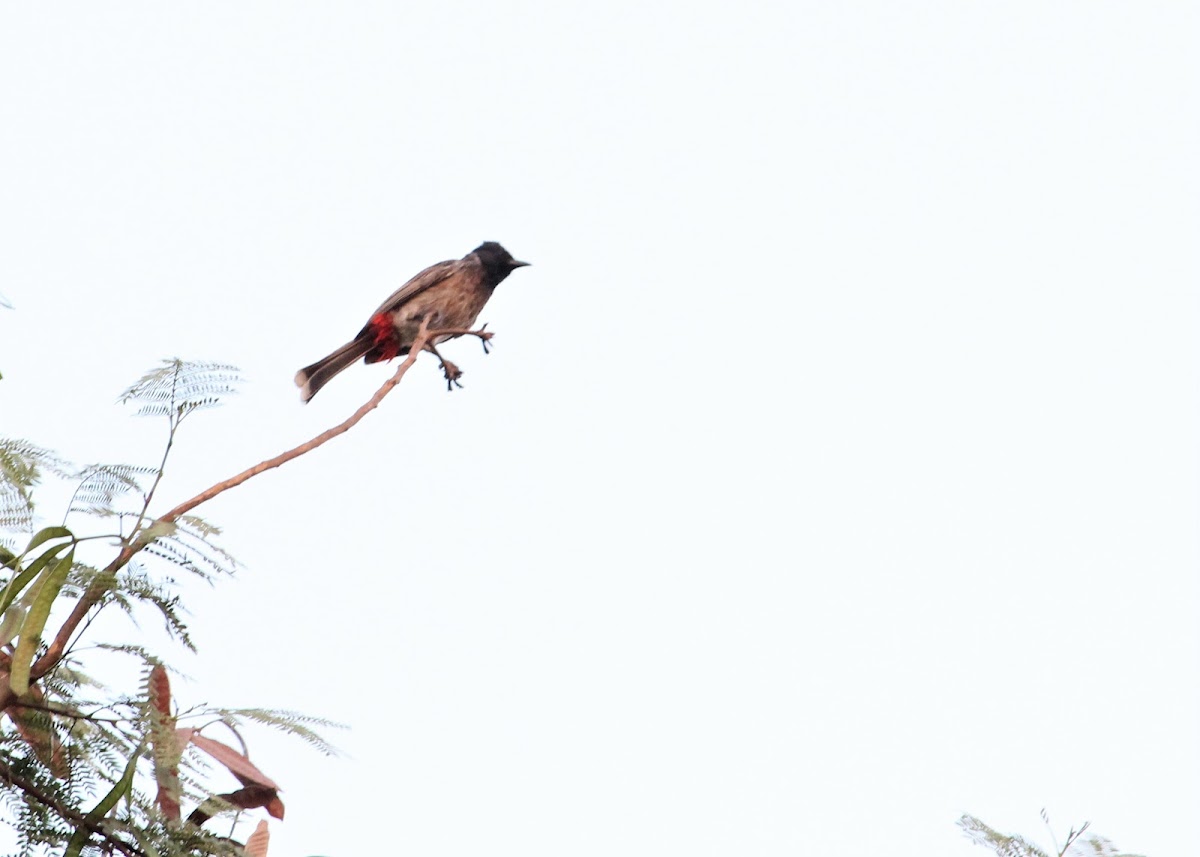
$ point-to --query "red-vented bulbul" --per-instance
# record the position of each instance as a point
(449, 294)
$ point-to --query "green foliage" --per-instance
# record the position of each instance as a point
(107, 804)
(293, 723)
(43, 594)
(1012, 845)
(102, 486)
(22, 467)
(179, 387)
(77, 758)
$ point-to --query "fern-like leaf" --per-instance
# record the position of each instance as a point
(1098, 846)
(1002, 844)
(302, 726)
(136, 585)
(22, 465)
(101, 485)
(179, 387)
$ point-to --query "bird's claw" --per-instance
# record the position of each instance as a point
(485, 337)
(453, 373)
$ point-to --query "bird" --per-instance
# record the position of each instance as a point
(448, 296)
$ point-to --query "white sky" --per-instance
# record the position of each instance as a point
(835, 471)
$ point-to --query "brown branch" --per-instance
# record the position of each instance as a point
(34, 791)
(100, 584)
(283, 458)
(52, 708)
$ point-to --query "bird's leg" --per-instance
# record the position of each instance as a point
(452, 372)
(483, 334)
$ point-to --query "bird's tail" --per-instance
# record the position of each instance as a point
(312, 378)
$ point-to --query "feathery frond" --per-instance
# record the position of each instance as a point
(1005, 845)
(101, 485)
(134, 584)
(1002, 844)
(289, 722)
(22, 465)
(179, 387)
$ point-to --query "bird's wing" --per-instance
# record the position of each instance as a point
(427, 279)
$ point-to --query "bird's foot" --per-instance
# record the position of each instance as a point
(485, 336)
(453, 373)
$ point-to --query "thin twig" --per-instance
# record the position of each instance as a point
(34, 791)
(50, 708)
(1073, 835)
(162, 465)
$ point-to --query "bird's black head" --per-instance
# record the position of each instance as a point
(497, 261)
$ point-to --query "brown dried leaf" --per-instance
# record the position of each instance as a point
(160, 691)
(240, 765)
(164, 744)
(166, 799)
(34, 726)
(251, 797)
(256, 845)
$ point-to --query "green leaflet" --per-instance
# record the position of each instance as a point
(144, 844)
(118, 791)
(51, 582)
(11, 622)
(21, 580)
(47, 534)
(155, 530)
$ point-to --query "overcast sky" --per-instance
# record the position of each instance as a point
(835, 469)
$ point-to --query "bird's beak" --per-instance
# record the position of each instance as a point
(517, 264)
